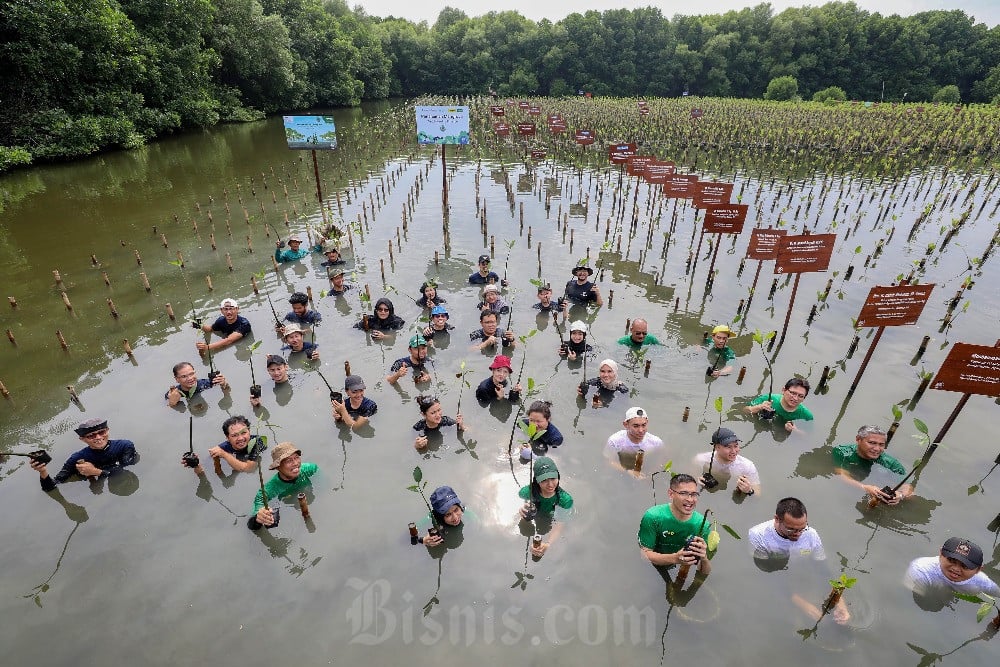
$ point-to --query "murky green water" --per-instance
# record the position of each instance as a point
(160, 569)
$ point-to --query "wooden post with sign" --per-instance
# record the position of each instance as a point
(804, 253)
(763, 247)
(722, 219)
(319, 189)
(970, 369)
(889, 307)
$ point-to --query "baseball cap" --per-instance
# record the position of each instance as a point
(439, 310)
(352, 382)
(275, 360)
(578, 325)
(545, 468)
(295, 238)
(964, 551)
(634, 412)
(229, 302)
(417, 341)
(491, 288)
(443, 499)
(724, 436)
(484, 259)
(91, 426)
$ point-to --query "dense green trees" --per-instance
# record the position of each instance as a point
(84, 75)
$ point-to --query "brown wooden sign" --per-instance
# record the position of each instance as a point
(642, 104)
(804, 253)
(697, 113)
(501, 129)
(557, 128)
(534, 110)
(584, 137)
(708, 193)
(657, 172)
(522, 105)
(620, 153)
(725, 218)
(538, 154)
(970, 369)
(553, 117)
(894, 306)
(526, 129)
(636, 164)
(680, 185)
(764, 243)
(643, 111)
(498, 110)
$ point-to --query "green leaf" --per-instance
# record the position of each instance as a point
(972, 489)
(718, 404)
(969, 598)
(920, 426)
(897, 414)
(418, 474)
(857, 251)
(531, 385)
(731, 532)
(176, 262)
(414, 488)
(256, 345)
(984, 610)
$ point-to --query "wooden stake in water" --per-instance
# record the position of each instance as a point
(128, 348)
(3, 390)
(138, 258)
(687, 413)
(62, 340)
(10, 336)
(111, 307)
(107, 281)
(65, 300)
(253, 283)
(12, 301)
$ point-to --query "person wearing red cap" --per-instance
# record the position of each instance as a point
(958, 567)
(492, 388)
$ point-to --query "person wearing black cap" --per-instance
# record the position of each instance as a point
(958, 567)
(101, 457)
(580, 290)
(355, 411)
(447, 513)
(726, 462)
(277, 368)
(484, 276)
(301, 314)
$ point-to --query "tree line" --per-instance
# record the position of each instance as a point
(82, 76)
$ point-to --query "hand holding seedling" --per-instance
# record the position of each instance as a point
(692, 553)
(789, 426)
(540, 550)
(421, 442)
(265, 517)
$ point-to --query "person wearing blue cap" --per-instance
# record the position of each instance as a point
(416, 361)
(438, 324)
(447, 514)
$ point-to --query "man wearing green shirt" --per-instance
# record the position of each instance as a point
(854, 463)
(638, 335)
(292, 476)
(664, 529)
(787, 405)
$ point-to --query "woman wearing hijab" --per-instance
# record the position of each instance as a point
(384, 321)
(606, 382)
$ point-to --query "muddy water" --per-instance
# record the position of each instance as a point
(166, 564)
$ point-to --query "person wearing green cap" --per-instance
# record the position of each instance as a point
(416, 361)
(545, 496)
(719, 352)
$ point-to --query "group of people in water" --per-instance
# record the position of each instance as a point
(671, 534)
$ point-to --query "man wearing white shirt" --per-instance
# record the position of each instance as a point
(623, 446)
(958, 567)
(726, 461)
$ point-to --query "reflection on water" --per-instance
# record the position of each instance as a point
(159, 550)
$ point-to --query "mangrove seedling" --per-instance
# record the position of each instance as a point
(837, 588)
(418, 487)
(760, 339)
(987, 603)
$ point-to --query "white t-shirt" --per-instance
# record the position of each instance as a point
(741, 466)
(619, 442)
(925, 574)
(766, 542)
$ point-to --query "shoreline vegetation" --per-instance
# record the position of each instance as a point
(84, 76)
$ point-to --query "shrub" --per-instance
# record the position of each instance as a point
(782, 89)
(831, 94)
(948, 95)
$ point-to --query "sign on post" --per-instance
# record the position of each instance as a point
(636, 164)
(526, 129)
(584, 137)
(501, 129)
(680, 185)
(442, 125)
(310, 132)
(620, 153)
(804, 253)
(725, 218)
(657, 172)
(970, 369)
(708, 193)
(894, 306)
(764, 243)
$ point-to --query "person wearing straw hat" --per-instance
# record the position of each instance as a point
(100, 458)
(293, 252)
(493, 388)
(957, 568)
(295, 342)
(547, 503)
(726, 462)
(291, 477)
(230, 325)
(580, 290)
(719, 352)
(355, 411)
(484, 276)
(438, 324)
(417, 360)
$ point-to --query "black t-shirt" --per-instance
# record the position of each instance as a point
(580, 293)
(224, 328)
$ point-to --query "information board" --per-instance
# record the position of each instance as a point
(894, 306)
(970, 369)
(442, 125)
(764, 243)
(725, 218)
(804, 253)
(310, 132)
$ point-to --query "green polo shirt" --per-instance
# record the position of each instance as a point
(661, 532)
(846, 457)
(801, 412)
